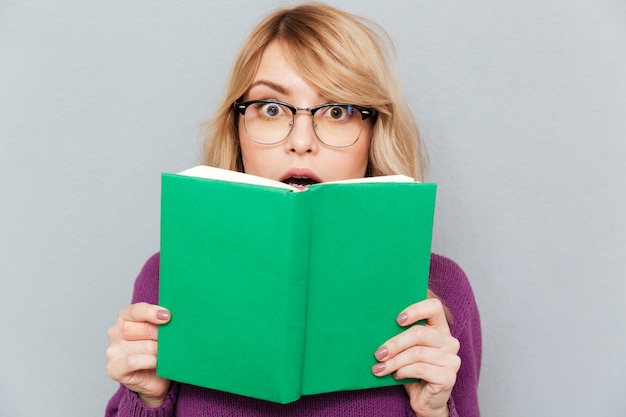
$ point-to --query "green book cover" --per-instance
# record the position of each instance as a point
(277, 293)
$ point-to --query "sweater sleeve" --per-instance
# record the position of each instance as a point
(126, 403)
(449, 282)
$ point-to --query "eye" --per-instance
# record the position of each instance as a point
(340, 113)
(270, 110)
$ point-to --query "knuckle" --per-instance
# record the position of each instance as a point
(139, 309)
(114, 352)
(130, 330)
(457, 363)
(144, 310)
(148, 330)
(392, 346)
(133, 311)
(130, 362)
(113, 372)
(125, 329)
(417, 331)
(456, 345)
(436, 302)
(417, 353)
(419, 369)
(400, 374)
(110, 353)
(111, 332)
(150, 347)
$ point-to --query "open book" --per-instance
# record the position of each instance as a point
(276, 292)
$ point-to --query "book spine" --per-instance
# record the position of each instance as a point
(297, 256)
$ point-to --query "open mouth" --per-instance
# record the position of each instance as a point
(300, 182)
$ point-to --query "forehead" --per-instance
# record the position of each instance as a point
(276, 63)
(277, 71)
(276, 54)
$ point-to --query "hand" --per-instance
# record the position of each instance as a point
(132, 352)
(427, 353)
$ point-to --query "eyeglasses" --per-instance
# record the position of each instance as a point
(337, 125)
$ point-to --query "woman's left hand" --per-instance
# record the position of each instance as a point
(427, 353)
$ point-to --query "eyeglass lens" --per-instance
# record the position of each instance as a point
(336, 125)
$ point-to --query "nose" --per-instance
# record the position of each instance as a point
(302, 139)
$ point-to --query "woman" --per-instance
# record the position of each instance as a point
(313, 65)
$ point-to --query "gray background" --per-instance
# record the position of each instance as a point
(522, 104)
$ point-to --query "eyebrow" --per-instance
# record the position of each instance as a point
(276, 87)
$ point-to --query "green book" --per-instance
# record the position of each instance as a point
(277, 292)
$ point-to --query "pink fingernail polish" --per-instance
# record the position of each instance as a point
(381, 353)
(402, 318)
(378, 368)
(163, 314)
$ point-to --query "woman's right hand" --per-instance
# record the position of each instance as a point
(132, 352)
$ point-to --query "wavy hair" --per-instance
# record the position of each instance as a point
(347, 58)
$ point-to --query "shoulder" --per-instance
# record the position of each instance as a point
(147, 282)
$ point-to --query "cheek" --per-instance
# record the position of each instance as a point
(257, 159)
(362, 152)
(363, 159)
(352, 162)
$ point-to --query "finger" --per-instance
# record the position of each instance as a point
(409, 362)
(122, 368)
(430, 310)
(433, 374)
(122, 349)
(131, 330)
(145, 312)
(138, 321)
(124, 330)
(417, 336)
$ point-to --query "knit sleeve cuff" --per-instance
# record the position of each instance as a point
(132, 406)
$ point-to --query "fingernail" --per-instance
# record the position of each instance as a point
(378, 368)
(402, 318)
(163, 314)
(381, 353)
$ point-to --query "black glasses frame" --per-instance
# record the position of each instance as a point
(366, 113)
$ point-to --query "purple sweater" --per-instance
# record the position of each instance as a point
(446, 280)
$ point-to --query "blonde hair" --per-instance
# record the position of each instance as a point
(347, 58)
